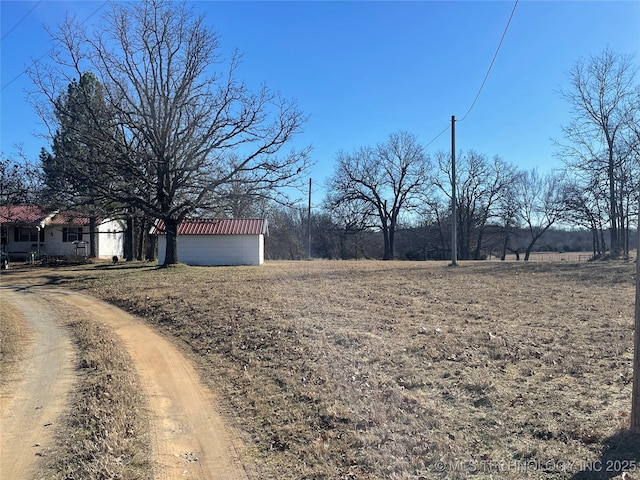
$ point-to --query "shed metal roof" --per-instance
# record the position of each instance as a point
(217, 226)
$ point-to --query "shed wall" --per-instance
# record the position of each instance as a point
(211, 250)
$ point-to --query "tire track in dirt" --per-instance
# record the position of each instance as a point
(189, 438)
(32, 402)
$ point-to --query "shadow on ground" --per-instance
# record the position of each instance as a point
(127, 266)
(621, 452)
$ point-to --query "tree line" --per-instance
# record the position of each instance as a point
(146, 121)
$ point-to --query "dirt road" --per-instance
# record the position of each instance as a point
(189, 438)
(33, 400)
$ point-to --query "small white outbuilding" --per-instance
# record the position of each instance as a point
(210, 241)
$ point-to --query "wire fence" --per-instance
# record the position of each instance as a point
(554, 257)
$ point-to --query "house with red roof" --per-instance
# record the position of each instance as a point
(31, 232)
(210, 241)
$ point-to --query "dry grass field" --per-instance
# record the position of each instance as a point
(367, 370)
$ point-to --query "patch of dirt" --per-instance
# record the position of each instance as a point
(34, 399)
(189, 438)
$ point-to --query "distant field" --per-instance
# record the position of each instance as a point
(407, 370)
(556, 256)
(553, 257)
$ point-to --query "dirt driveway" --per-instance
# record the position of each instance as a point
(189, 438)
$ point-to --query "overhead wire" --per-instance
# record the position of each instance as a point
(484, 81)
(438, 135)
(50, 50)
(20, 21)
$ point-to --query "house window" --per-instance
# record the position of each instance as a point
(27, 234)
(4, 237)
(72, 234)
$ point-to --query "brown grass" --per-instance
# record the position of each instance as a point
(408, 370)
(105, 435)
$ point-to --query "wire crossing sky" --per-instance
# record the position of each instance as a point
(362, 70)
(493, 60)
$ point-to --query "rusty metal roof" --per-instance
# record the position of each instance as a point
(70, 218)
(23, 214)
(216, 226)
(32, 214)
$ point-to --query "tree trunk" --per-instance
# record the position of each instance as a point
(635, 395)
(387, 246)
(527, 252)
(476, 254)
(534, 240)
(504, 247)
(142, 242)
(516, 252)
(151, 251)
(171, 251)
(627, 236)
(128, 240)
(465, 241)
(392, 235)
(92, 237)
(621, 234)
(613, 229)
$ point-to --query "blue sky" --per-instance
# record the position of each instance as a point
(362, 70)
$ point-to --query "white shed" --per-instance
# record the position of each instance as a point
(210, 241)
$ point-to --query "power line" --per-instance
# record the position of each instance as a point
(438, 136)
(50, 50)
(492, 62)
(483, 81)
(20, 21)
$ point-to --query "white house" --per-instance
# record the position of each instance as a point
(209, 241)
(27, 230)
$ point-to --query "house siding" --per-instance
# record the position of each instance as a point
(51, 240)
(110, 239)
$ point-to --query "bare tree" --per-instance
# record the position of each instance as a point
(386, 180)
(480, 184)
(186, 131)
(508, 208)
(351, 220)
(19, 182)
(436, 211)
(635, 395)
(541, 203)
(585, 207)
(603, 98)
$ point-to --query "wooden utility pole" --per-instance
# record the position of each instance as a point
(635, 395)
(454, 215)
(309, 224)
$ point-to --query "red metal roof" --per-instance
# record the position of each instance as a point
(23, 214)
(215, 226)
(37, 216)
(70, 218)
